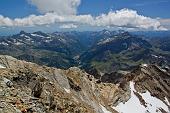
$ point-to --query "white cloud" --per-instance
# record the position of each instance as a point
(68, 26)
(48, 18)
(165, 22)
(128, 18)
(60, 7)
(121, 18)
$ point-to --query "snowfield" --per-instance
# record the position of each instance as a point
(133, 105)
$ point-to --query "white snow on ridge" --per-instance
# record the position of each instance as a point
(133, 105)
(23, 35)
(156, 56)
(36, 35)
(4, 43)
(47, 41)
(18, 43)
(48, 37)
(105, 41)
(144, 65)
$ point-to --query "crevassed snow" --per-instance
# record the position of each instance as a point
(104, 109)
(1, 66)
(133, 104)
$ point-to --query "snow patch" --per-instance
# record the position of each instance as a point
(48, 37)
(166, 100)
(18, 43)
(144, 65)
(4, 43)
(47, 41)
(156, 56)
(153, 104)
(1, 66)
(67, 90)
(133, 105)
(36, 35)
(28, 39)
(105, 41)
(104, 109)
(23, 35)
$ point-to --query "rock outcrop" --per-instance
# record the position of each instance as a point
(29, 88)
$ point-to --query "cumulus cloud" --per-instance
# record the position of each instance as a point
(165, 22)
(68, 26)
(48, 18)
(60, 7)
(121, 18)
(128, 18)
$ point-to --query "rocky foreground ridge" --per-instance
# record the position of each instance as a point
(29, 88)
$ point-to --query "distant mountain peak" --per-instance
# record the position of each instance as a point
(23, 32)
(38, 32)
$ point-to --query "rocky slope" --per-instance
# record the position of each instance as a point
(29, 88)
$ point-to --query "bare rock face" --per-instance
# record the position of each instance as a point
(37, 89)
(29, 88)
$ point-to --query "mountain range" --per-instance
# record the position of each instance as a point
(104, 51)
(84, 72)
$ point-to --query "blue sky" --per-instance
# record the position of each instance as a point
(151, 8)
(155, 10)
